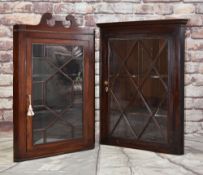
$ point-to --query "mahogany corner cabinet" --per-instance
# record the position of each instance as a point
(53, 88)
(142, 84)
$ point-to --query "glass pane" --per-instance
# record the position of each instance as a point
(37, 91)
(57, 92)
(138, 83)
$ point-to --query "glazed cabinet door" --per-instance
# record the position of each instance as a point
(57, 114)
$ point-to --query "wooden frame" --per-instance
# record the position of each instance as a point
(24, 36)
(174, 30)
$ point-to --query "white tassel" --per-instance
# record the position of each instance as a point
(30, 111)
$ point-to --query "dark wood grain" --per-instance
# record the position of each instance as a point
(174, 31)
(24, 36)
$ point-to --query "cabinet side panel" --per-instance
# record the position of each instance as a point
(103, 93)
(180, 115)
(19, 90)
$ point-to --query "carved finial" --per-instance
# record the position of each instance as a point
(48, 16)
(72, 20)
(45, 17)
